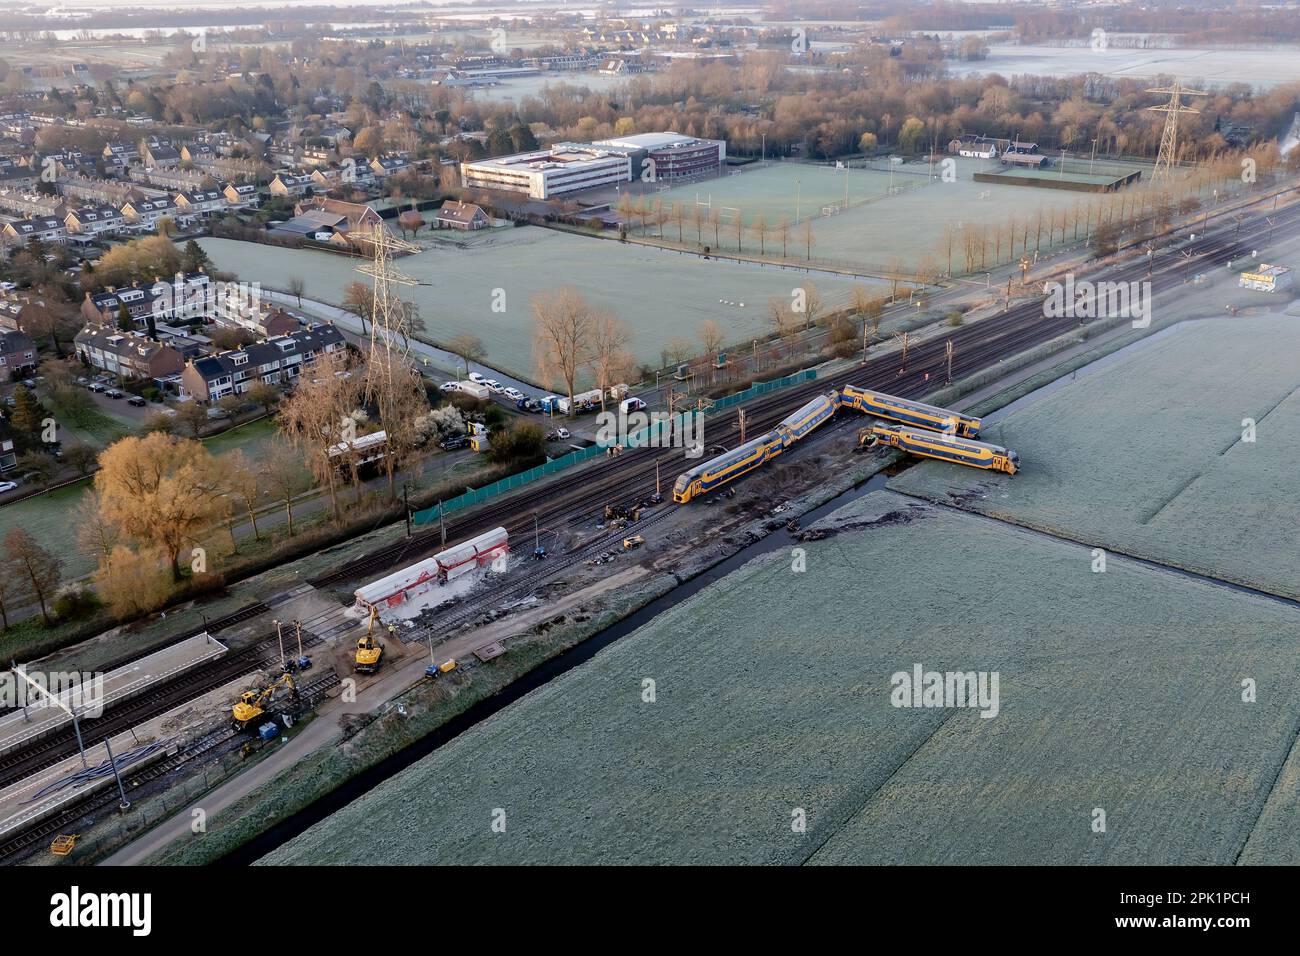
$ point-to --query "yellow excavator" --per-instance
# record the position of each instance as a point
(253, 705)
(369, 651)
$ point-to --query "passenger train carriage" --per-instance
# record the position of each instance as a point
(928, 444)
(908, 412)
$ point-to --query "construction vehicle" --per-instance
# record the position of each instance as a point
(369, 651)
(436, 670)
(630, 544)
(254, 705)
(62, 844)
(622, 515)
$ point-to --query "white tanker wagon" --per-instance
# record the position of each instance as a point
(411, 583)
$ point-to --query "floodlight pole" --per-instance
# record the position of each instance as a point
(112, 762)
(70, 711)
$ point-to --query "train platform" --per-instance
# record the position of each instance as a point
(49, 790)
(20, 728)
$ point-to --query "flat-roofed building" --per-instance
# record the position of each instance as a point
(668, 155)
(547, 173)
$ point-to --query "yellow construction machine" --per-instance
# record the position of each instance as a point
(254, 705)
(369, 651)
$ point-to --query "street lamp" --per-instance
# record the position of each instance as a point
(125, 804)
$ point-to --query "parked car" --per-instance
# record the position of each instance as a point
(513, 394)
(95, 387)
(137, 401)
(114, 393)
(495, 387)
(558, 434)
(449, 387)
(8, 486)
(454, 442)
(29, 383)
(477, 379)
(83, 381)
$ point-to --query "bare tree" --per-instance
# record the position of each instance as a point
(784, 322)
(296, 286)
(610, 359)
(242, 486)
(783, 230)
(37, 570)
(315, 418)
(563, 325)
(808, 239)
(758, 226)
(284, 476)
(711, 337)
(469, 347)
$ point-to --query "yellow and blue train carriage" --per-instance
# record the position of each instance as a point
(909, 412)
(927, 444)
(794, 427)
(727, 467)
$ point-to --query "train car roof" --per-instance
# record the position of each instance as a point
(911, 403)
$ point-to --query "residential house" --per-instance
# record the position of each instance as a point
(289, 184)
(127, 354)
(385, 166)
(462, 215)
(30, 204)
(17, 355)
(278, 360)
(240, 195)
(147, 212)
(199, 202)
(93, 220)
(159, 154)
(44, 228)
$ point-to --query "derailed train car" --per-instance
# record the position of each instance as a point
(908, 412)
(928, 430)
(745, 458)
(928, 444)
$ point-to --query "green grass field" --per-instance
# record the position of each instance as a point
(771, 704)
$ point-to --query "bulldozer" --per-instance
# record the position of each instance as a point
(369, 651)
(254, 705)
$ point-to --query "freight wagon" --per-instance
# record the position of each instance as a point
(928, 444)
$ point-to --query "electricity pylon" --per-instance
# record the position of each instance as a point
(385, 311)
(1168, 154)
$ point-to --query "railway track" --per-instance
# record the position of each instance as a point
(309, 695)
(193, 684)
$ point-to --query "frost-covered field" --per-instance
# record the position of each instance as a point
(660, 294)
(1147, 455)
(772, 698)
(877, 228)
(1260, 68)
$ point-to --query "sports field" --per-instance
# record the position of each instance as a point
(771, 736)
(1181, 450)
(661, 294)
(895, 217)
